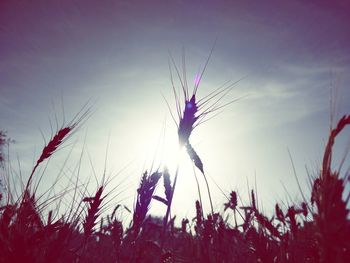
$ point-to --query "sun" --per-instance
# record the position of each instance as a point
(175, 157)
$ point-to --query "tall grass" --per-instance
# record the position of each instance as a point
(331, 217)
(315, 230)
(192, 112)
(291, 235)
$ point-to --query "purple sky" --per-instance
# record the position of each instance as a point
(116, 52)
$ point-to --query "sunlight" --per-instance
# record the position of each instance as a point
(175, 157)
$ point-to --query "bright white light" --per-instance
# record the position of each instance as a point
(173, 157)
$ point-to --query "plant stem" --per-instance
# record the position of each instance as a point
(198, 188)
(211, 202)
(234, 214)
(166, 217)
(171, 199)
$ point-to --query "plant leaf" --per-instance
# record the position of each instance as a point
(160, 199)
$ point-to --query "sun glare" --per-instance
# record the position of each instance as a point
(161, 152)
(176, 157)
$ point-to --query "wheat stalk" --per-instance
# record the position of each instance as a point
(332, 214)
(61, 135)
(145, 192)
(93, 211)
(192, 114)
(232, 204)
(50, 148)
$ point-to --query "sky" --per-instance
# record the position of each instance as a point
(55, 57)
